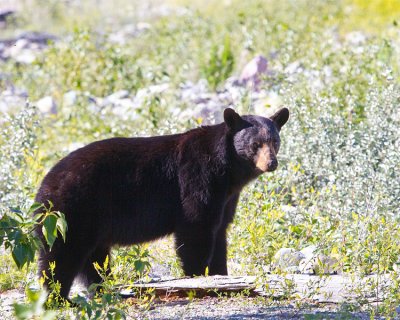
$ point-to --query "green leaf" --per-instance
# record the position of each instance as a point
(35, 206)
(139, 266)
(15, 210)
(21, 254)
(33, 295)
(62, 226)
(49, 229)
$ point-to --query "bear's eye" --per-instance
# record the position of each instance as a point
(255, 146)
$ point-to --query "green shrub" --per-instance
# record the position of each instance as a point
(220, 63)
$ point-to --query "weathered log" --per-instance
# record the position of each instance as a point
(198, 286)
(326, 289)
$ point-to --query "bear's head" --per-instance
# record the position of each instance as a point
(256, 139)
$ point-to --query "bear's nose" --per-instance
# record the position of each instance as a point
(272, 165)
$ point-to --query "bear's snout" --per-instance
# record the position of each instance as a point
(272, 165)
(265, 159)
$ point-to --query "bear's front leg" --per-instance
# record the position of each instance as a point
(195, 244)
(218, 264)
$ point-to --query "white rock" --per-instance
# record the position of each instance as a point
(356, 38)
(46, 105)
(25, 57)
(121, 94)
(292, 269)
(236, 94)
(287, 257)
(125, 109)
(290, 210)
(190, 91)
(319, 264)
(125, 103)
(327, 265)
(328, 72)
(396, 265)
(306, 266)
(118, 37)
(17, 48)
(158, 88)
(309, 251)
(15, 91)
(293, 67)
(70, 98)
(252, 72)
(143, 26)
(12, 100)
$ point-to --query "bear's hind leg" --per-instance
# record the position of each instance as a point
(89, 274)
(68, 262)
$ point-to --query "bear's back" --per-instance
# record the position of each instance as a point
(119, 179)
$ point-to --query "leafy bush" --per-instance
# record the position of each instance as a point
(34, 308)
(18, 139)
(85, 63)
(219, 65)
(17, 227)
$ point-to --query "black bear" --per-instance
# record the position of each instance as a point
(124, 191)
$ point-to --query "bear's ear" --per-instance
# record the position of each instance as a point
(280, 117)
(233, 120)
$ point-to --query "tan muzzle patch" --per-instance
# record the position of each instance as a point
(262, 158)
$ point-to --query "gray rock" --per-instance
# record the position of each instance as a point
(21, 51)
(41, 38)
(24, 47)
(287, 257)
(6, 15)
(253, 71)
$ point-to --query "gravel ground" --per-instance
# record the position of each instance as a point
(244, 308)
(210, 308)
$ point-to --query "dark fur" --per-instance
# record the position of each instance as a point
(124, 191)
